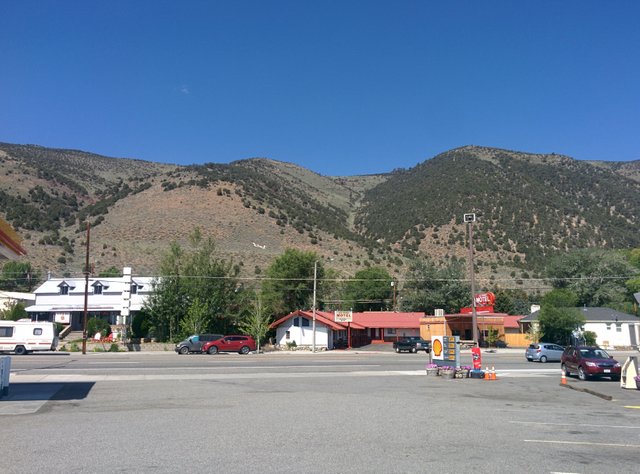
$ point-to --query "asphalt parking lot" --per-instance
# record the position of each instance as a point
(331, 412)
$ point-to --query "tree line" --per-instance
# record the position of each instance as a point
(199, 291)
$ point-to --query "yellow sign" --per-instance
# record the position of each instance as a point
(437, 348)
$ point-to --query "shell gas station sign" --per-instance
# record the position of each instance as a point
(446, 350)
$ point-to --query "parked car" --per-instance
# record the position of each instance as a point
(240, 344)
(195, 342)
(544, 352)
(590, 361)
(411, 344)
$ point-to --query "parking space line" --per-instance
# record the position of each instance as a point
(584, 443)
(575, 424)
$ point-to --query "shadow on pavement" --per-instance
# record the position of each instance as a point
(47, 391)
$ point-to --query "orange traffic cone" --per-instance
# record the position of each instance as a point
(487, 376)
(493, 373)
(563, 379)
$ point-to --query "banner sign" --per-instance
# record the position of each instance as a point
(62, 318)
(476, 355)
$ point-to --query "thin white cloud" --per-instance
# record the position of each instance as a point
(184, 89)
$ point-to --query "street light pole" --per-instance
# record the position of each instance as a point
(470, 219)
(86, 296)
(315, 279)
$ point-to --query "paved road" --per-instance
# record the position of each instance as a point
(327, 412)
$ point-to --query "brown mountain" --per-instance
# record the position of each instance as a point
(528, 206)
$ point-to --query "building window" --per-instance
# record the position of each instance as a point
(134, 289)
(391, 331)
(287, 335)
(618, 327)
(97, 289)
(608, 326)
(64, 289)
(305, 322)
(296, 322)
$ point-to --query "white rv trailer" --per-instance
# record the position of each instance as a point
(25, 336)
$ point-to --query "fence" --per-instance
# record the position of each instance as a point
(517, 340)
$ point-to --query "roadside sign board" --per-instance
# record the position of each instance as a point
(446, 350)
(343, 317)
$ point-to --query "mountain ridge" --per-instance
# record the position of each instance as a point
(529, 206)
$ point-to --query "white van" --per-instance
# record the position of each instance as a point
(23, 336)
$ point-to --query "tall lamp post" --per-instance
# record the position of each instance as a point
(470, 219)
(86, 296)
(313, 326)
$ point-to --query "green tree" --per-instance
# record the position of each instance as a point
(429, 287)
(256, 322)
(140, 324)
(289, 282)
(590, 338)
(18, 276)
(512, 302)
(559, 316)
(597, 276)
(110, 272)
(369, 290)
(634, 258)
(196, 288)
(96, 325)
(15, 310)
(333, 290)
(493, 336)
(197, 318)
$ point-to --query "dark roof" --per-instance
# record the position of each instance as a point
(593, 315)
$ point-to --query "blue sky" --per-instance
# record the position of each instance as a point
(339, 87)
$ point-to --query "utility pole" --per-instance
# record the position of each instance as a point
(315, 279)
(470, 219)
(393, 287)
(86, 296)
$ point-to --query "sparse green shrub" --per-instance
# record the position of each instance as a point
(95, 325)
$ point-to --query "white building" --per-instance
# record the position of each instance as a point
(8, 298)
(613, 329)
(114, 299)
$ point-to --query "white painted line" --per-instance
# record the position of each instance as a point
(111, 363)
(204, 376)
(584, 443)
(221, 367)
(576, 424)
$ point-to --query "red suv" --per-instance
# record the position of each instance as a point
(590, 361)
(240, 344)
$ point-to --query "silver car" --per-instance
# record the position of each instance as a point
(544, 352)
